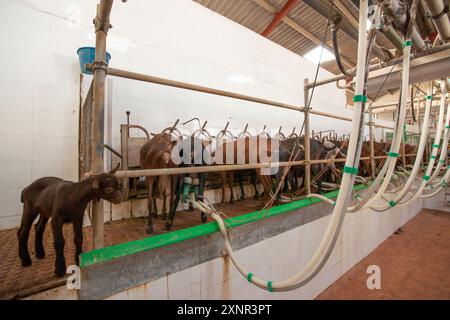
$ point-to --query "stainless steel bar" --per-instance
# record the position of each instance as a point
(227, 167)
(306, 141)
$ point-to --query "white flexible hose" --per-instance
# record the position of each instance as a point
(387, 171)
(326, 245)
(443, 155)
(436, 143)
(322, 252)
(417, 163)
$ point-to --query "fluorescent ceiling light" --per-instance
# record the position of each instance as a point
(314, 55)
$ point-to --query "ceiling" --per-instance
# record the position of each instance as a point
(303, 28)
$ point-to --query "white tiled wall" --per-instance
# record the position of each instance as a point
(279, 257)
(39, 80)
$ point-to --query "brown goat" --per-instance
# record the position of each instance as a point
(63, 202)
(156, 154)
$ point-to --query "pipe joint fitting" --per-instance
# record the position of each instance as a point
(99, 26)
(102, 65)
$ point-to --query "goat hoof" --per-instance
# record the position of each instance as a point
(256, 197)
(149, 229)
(60, 270)
(168, 226)
(243, 197)
(26, 262)
(40, 254)
(154, 215)
(164, 216)
(204, 217)
(191, 208)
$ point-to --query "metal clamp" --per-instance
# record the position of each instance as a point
(99, 65)
(105, 26)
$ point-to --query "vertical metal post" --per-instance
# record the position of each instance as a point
(372, 144)
(306, 140)
(102, 26)
(124, 135)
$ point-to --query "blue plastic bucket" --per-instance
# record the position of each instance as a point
(86, 55)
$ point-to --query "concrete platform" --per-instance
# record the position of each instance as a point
(17, 281)
(414, 263)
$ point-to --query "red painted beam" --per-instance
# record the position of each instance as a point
(279, 16)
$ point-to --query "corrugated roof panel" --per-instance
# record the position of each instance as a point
(252, 16)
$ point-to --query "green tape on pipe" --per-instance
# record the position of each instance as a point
(393, 154)
(249, 277)
(360, 98)
(161, 240)
(351, 170)
(269, 286)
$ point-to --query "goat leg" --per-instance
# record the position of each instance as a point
(150, 204)
(255, 185)
(201, 191)
(24, 231)
(241, 184)
(58, 242)
(173, 209)
(231, 185)
(38, 242)
(78, 238)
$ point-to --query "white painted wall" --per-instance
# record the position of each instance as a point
(178, 39)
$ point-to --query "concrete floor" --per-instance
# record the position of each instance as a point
(414, 264)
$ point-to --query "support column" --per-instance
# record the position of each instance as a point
(102, 26)
(306, 140)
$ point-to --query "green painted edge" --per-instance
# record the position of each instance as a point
(123, 249)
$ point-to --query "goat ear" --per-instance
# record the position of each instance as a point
(95, 184)
(114, 170)
(166, 155)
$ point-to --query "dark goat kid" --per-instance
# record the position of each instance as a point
(63, 201)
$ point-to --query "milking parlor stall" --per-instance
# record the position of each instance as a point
(249, 149)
